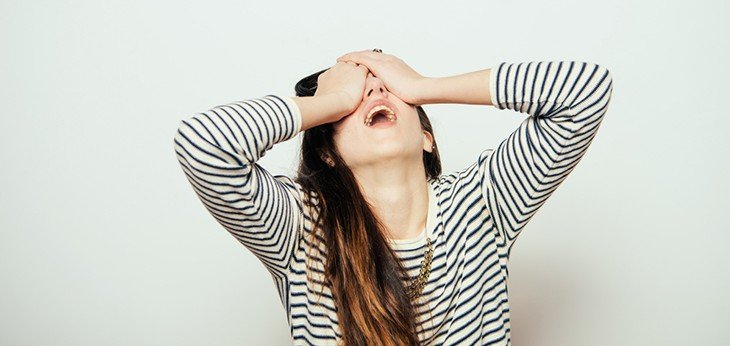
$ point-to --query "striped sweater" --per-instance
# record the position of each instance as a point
(474, 216)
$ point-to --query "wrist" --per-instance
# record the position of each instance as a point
(343, 103)
(427, 91)
(334, 105)
(321, 109)
(467, 88)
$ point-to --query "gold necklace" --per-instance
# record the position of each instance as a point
(420, 281)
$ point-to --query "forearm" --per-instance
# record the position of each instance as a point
(562, 91)
(320, 109)
(468, 88)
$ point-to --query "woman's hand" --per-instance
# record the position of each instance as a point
(345, 79)
(398, 77)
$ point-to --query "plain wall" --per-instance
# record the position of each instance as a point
(103, 242)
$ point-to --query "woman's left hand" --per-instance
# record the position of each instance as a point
(398, 77)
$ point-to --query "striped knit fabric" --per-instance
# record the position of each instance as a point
(475, 213)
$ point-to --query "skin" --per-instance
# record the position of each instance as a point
(387, 162)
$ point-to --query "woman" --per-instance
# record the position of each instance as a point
(370, 244)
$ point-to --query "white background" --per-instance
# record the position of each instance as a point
(103, 242)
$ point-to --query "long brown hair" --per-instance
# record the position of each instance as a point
(364, 273)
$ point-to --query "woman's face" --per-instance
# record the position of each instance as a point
(359, 144)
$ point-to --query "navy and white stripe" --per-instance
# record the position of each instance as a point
(475, 214)
(566, 101)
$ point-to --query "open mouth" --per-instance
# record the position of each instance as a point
(380, 114)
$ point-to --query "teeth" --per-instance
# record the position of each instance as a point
(389, 113)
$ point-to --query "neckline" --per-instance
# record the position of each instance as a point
(430, 223)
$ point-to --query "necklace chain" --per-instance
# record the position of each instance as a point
(420, 281)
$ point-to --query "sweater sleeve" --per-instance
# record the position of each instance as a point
(218, 151)
(566, 102)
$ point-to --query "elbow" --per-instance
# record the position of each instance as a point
(605, 81)
(178, 139)
(591, 105)
(604, 89)
(597, 88)
(606, 86)
(607, 77)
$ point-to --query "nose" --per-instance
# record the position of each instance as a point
(374, 86)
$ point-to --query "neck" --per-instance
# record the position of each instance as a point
(398, 194)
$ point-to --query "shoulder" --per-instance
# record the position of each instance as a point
(469, 175)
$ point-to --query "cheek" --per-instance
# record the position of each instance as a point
(413, 122)
(344, 133)
(342, 126)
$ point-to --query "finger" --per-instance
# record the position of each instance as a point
(351, 53)
(360, 67)
(351, 56)
(365, 54)
(344, 58)
(359, 59)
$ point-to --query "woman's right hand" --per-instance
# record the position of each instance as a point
(346, 79)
